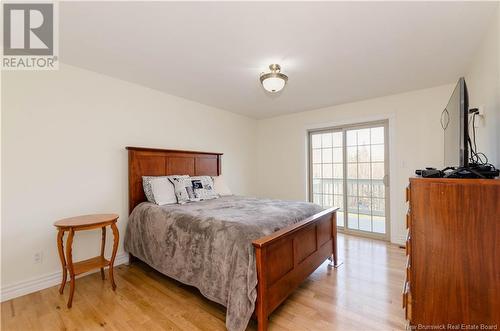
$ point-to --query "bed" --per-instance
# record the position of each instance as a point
(247, 254)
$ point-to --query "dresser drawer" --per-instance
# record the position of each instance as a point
(407, 299)
(408, 193)
(408, 220)
(408, 309)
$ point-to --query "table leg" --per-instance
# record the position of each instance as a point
(103, 244)
(60, 248)
(69, 258)
(116, 238)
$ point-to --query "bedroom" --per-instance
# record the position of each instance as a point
(185, 76)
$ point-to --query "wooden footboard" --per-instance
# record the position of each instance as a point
(287, 257)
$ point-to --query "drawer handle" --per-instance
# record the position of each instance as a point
(408, 244)
(406, 290)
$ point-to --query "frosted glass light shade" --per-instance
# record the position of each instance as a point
(273, 81)
(273, 84)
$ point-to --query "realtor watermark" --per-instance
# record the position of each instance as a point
(30, 36)
(451, 326)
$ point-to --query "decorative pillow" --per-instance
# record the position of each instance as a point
(146, 185)
(183, 189)
(193, 188)
(163, 191)
(203, 187)
(220, 186)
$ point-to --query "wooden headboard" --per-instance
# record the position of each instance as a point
(164, 162)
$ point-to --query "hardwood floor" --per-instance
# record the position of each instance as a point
(363, 294)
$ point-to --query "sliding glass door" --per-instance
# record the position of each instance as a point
(348, 168)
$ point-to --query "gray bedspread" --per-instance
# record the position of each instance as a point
(208, 244)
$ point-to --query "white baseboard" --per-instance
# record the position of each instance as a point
(46, 281)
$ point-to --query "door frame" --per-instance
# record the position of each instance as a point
(387, 178)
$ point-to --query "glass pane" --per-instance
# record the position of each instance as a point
(340, 218)
(352, 204)
(327, 186)
(364, 187)
(327, 171)
(378, 170)
(378, 207)
(364, 170)
(364, 157)
(317, 186)
(377, 153)
(378, 224)
(337, 139)
(316, 140)
(365, 206)
(352, 171)
(326, 140)
(328, 200)
(327, 155)
(378, 188)
(352, 187)
(364, 137)
(338, 171)
(338, 201)
(316, 154)
(377, 135)
(338, 186)
(365, 222)
(352, 221)
(352, 154)
(337, 155)
(351, 139)
(316, 170)
(364, 154)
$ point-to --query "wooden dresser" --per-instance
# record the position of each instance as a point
(453, 248)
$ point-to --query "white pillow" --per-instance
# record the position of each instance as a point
(220, 186)
(163, 191)
(146, 184)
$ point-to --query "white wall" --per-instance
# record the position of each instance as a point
(416, 141)
(63, 153)
(483, 82)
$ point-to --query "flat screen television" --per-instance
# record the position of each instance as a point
(455, 122)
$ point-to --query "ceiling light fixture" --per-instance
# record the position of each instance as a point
(273, 81)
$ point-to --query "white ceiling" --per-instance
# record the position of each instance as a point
(333, 52)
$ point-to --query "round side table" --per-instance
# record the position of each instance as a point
(79, 223)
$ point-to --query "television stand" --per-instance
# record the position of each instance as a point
(452, 246)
